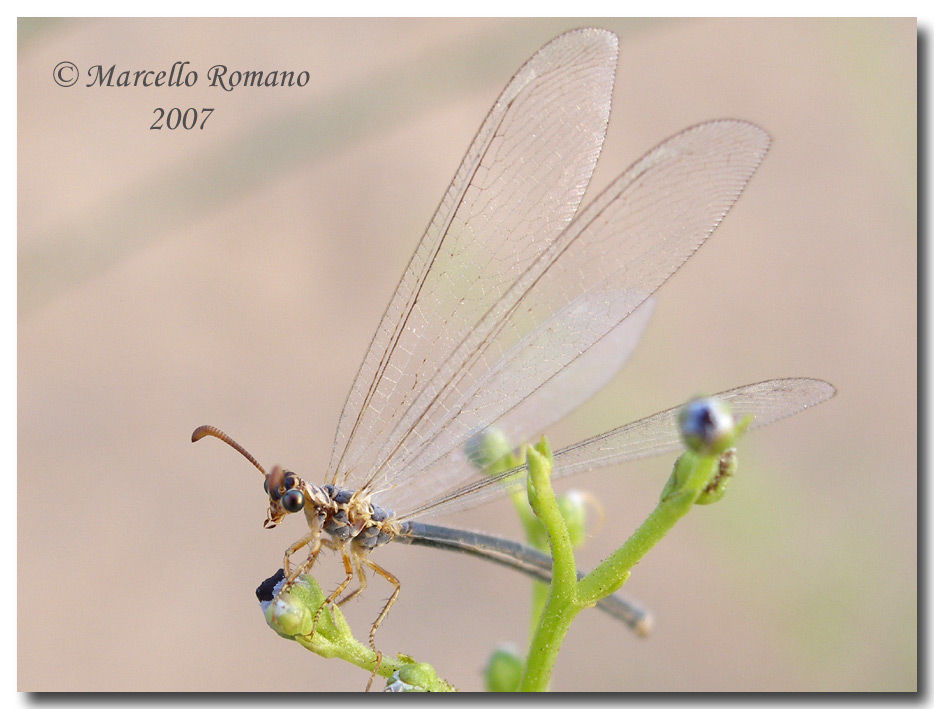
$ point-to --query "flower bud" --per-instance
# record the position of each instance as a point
(487, 447)
(706, 426)
(504, 670)
(575, 506)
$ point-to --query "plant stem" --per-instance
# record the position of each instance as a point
(691, 478)
(691, 475)
(561, 604)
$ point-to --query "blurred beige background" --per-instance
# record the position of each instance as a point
(235, 275)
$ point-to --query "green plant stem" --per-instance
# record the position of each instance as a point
(691, 478)
(692, 474)
(561, 604)
(535, 534)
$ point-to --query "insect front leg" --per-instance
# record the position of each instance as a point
(313, 540)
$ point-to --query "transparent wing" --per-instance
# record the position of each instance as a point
(766, 402)
(616, 253)
(553, 400)
(516, 190)
(576, 383)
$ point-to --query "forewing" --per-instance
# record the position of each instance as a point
(616, 253)
(516, 190)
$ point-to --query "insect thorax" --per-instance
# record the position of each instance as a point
(346, 516)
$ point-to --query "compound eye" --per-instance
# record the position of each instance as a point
(274, 493)
(290, 482)
(293, 501)
(274, 482)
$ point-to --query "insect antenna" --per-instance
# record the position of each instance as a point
(203, 431)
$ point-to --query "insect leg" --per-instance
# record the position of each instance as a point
(382, 614)
(341, 587)
(312, 539)
(392, 598)
(361, 577)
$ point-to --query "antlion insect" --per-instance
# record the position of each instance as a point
(516, 308)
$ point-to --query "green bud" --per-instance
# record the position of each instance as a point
(539, 461)
(679, 472)
(411, 677)
(394, 684)
(419, 675)
(504, 670)
(415, 676)
(487, 447)
(288, 615)
(573, 507)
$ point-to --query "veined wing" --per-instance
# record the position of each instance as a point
(553, 400)
(576, 383)
(766, 402)
(615, 253)
(516, 190)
